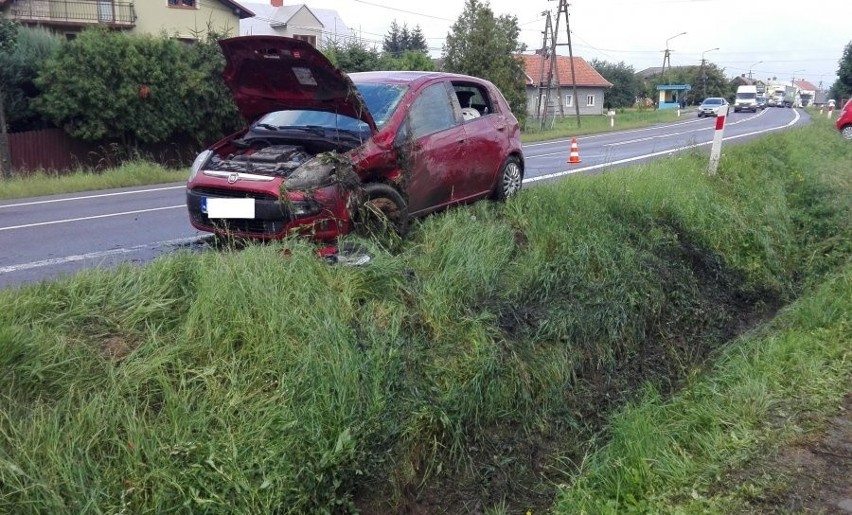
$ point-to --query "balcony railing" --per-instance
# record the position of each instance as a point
(74, 12)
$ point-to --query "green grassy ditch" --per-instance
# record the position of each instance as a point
(474, 368)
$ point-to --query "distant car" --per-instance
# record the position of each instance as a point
(711, 106)
(844, 123)
(761, 102)
(326, 153)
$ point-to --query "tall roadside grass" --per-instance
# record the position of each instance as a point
(462, 371)
(134, 173)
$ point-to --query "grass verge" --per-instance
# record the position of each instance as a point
(134, 173)
(461, 372)
(625, 119)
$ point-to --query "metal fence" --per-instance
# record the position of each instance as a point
(55, 151)
(79, 12)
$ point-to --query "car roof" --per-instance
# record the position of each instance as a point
(407, 77)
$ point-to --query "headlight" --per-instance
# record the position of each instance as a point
(302, 209)
(199, 162)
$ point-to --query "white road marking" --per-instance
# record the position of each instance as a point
(94, 255)
(87, 197)
(654, 154)
(631, 131)
(69, 220)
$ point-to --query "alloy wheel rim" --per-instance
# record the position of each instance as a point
(511, 179)
(847, 132)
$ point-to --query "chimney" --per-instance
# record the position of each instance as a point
(277, 3)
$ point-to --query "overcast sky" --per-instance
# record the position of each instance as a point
(791, 38)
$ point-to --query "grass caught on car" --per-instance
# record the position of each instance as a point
(477, 365)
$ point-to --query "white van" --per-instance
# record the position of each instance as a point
(746, 99)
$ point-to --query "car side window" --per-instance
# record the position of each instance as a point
(474, 100)
(431, 112)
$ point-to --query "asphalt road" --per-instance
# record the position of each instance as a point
(46, 237)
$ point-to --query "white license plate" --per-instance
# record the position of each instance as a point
(228, 207)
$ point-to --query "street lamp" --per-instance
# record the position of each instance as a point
(704, 72)
(666, 55)
(671, 38)
(752, 66)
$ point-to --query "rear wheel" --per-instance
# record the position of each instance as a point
(510, 179)
(847, 132)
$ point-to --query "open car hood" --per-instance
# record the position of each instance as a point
(274, 73)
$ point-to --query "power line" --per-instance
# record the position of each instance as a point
(403, 10)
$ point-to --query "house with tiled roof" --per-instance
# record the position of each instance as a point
(591, 86)
(807, 91)
(183, 19)
(319, 27)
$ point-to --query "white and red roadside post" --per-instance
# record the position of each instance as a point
(716, 148)
(611, 115)
(830, 110)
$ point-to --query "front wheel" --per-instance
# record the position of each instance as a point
(509, 180)
(382, 210)
(847, 132)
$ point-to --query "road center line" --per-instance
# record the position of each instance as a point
(655, 154)
(69, 220)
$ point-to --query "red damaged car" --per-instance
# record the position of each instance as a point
(324, 151)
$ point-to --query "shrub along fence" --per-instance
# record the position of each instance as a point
(54, 150)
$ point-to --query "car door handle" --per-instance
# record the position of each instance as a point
(501, 127)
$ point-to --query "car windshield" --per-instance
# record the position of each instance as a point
(381, 99)
(713, 101)
(747, 96)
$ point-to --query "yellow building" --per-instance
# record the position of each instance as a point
(183, 19)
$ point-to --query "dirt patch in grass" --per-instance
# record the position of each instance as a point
(813, 475)
(506, 468)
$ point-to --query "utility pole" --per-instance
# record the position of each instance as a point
(551, 35)
(545, 85)
(563, 9)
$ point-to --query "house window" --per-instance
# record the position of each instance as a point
(569, 100)
(306, 38)
(183, 4)
(590, 101)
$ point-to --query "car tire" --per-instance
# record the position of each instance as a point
(846, 132)
(701, 115)
(509, 180)
(381, 209)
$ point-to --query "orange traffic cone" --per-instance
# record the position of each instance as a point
(575, 152)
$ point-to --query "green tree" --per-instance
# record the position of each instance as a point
(354, 56)
(842, 87)
(391, 42)
(135, 89)
(19, 65)
(417, 41)
(409, 60)
(400, 39)
(208, 103)
(625, 85)
(485, 46)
